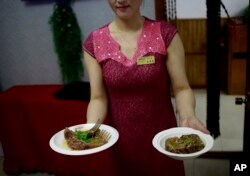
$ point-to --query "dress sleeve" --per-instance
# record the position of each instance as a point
(88, 45)
(168, 32)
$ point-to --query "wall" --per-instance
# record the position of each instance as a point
(26, 45)
(197, 8)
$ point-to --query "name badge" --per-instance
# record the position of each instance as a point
(145, 60)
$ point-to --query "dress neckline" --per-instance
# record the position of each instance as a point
(134, 55)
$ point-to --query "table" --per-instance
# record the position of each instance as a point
(29, 117)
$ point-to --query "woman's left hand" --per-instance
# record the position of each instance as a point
(193, 122)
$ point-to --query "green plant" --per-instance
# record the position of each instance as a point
(67, 42)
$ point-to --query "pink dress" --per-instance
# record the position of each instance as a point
(139, 98)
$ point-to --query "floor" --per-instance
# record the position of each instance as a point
(231, 138)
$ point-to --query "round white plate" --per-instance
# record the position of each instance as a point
(160, 138)
(58, 143)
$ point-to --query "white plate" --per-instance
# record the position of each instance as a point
(160, 138)
(58, 144)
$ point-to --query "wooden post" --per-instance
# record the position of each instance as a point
(160, 9)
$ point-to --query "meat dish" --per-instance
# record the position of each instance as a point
(185, 144)
(77, 140)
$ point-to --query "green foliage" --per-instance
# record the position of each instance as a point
(67, 42)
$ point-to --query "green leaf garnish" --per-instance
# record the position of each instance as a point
(82, 135)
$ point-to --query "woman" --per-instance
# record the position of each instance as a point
(132, 62)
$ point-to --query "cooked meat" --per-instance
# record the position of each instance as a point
(185, 144)
(175, 145)
(193, 143)
(72, 141)
(76, 143)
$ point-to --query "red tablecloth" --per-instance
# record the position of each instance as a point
(29, 117)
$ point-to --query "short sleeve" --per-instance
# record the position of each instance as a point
(168, 32)
(88, 45)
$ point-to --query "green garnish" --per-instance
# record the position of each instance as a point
(82, 135)
(187, 139)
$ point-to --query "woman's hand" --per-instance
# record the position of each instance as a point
(184, 97)
(193, 122)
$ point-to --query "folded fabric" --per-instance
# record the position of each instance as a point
(74, 91)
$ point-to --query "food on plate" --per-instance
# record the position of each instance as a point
(185, 144)
(78, 140)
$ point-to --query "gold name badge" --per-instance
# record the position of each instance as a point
(146, 60)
